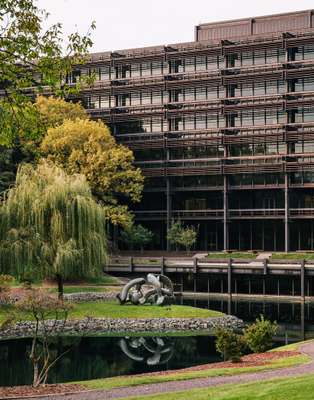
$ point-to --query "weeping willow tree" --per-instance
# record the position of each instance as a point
(50, 226)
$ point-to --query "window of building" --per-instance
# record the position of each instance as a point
(104, 73)
(200, 93)
(247, 59)
(259, 88)
(189, 64)
(104, 101)
(211, 92)
(146, 69)
(189, 94)
(135, 70)
(259, 57)
(157, 68)
(200, 63)
(308, 52)
(189, 123)
(146, 98)
(157, 97)
(136, 99)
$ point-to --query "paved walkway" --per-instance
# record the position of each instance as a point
(192, 383)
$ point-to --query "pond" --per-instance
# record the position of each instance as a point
(101, 357)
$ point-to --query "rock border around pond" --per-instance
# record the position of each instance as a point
(103, 326)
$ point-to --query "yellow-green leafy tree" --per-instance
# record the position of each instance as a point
(81, 145)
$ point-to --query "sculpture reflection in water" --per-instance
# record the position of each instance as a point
(155, 289)
(149, 350)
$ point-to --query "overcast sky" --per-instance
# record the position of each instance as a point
(123, 24)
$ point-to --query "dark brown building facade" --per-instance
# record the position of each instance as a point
(223, 129)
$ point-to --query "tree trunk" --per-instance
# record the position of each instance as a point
(35, 375)
(60, 286)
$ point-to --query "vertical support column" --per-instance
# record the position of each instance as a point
(168, 195)
(229, 285)
(162, 265)
(302, 276)
(225, 215)
(286, 221)
(287, 245)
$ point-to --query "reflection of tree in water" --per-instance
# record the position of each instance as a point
(148, 350)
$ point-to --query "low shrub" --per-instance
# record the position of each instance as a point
(259, 336)
(229, 344)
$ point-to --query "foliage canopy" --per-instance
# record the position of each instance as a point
(51, 226)
(31, 57)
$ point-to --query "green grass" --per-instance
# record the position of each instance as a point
(292, 256)
(114, 310)
(299, 388)
(136, 380)
(225, 255)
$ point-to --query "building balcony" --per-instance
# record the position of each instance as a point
(232, 214)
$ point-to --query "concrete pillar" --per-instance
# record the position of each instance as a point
(225, 214)
(287, 245)
(302, 275)
(168, 199)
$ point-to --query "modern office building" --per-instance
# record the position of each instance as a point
(223, 129)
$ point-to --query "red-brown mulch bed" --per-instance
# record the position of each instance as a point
(251, 360)
(20, 391)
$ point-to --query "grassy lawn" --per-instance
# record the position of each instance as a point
(109, 383)
(223, 255)
(300, 388)
(114, 310)
(292, 256)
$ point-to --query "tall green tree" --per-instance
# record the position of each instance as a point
(51, 227)
(31, 57)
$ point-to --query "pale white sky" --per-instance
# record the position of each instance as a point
(123, 24)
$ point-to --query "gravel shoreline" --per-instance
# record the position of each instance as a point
(100, 326)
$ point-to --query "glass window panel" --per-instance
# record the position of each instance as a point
(271, 56)
(104, 73)
(104, 101)
(146, 98)
(259, 57)
(211, 92)
(259, 118)
(221, 121)
(212, 121)
(281, 117)
(281, 87)
(247, 119)
(308, 84)
(298, 55)
(271, 118)
(189, 94)
(189, 123)
(156, 97)
(200, 93)
(308, 52)
(146, 125)
(135, 99)
(200, 63)
(298, 85)
(247, 59)
(146, 69)
(200, 122)
(221, 92)
(156, 68)
(281, 55)
(157, 125)
(212, 63)
(247, 89)
(135, 70)
(271, 87)
(308, 115)
(189, 64)
(259, 88)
